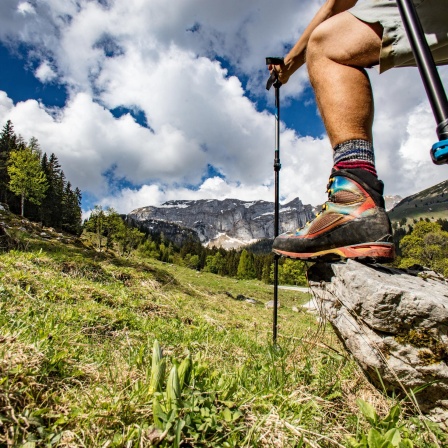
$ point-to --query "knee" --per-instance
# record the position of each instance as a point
(345, 40)
(320, 43)
(314, 47)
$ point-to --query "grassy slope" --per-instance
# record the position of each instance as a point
(76, 334)
(431, 203)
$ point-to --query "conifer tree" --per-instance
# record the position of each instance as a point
(52, 205)
(113, 226)
(96, 224)
(232, 260)
(71, 211)
(8, 141)
(265, 276)
(33, 144)
(128, 239)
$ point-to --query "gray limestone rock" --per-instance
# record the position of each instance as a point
(271, 304)
(393, 323)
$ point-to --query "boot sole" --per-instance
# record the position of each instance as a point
(376, 252)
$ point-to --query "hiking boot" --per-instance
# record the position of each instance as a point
(353, 223)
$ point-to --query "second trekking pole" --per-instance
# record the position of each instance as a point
(430, 77)
(274, 81)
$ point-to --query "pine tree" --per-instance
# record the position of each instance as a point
(128, 239)
(33, 144)
(8, 141)
(233, 259)
(113, 226)
(71, 211)
(27, 179)
(266, 274)
(96, 224)
(53, 204)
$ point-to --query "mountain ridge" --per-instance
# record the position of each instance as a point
(234, 223)
(429, 203)
(228, 223)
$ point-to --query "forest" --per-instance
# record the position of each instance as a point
(33, 184)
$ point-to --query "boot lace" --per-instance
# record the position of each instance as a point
(324, 206)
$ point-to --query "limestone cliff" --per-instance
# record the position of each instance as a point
(227, 223)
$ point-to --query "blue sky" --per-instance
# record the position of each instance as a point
(145, 102)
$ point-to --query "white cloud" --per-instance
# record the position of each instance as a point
(45, 73)
(25, 8)
(89, 141)
(6, 105)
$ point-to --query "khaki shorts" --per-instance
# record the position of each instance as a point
(395, 48)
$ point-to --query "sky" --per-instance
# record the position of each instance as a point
(145, 101)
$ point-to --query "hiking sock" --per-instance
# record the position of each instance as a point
(355, 154)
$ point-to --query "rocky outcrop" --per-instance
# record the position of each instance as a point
(171, 231)
(392, 201)
(15, 230)
(393, 322)
(229, 223)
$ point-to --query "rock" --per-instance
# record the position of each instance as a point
(310, 306)
(243, 298)
(394, 324)
(270, 304)
(392, 201)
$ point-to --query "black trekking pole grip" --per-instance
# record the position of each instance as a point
(273, 78)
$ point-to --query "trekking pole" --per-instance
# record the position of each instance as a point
(273, 81)
(430, 77)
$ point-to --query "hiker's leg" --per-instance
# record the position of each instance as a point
(353, 222)
(336, 54)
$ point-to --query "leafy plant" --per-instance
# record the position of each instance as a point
(178, 404)
(384, 433)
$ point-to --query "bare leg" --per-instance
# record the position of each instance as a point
(337, 51)
(353, 223)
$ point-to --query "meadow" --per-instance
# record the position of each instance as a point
(104, 351)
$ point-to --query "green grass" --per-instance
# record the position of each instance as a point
(77, 330)
(428, 204)
(411, 213)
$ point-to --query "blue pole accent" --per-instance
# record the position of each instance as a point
(439, 152)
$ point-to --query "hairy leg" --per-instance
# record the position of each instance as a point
(337, 51)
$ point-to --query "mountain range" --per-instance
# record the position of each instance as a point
(228, 223)
(232, 223)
